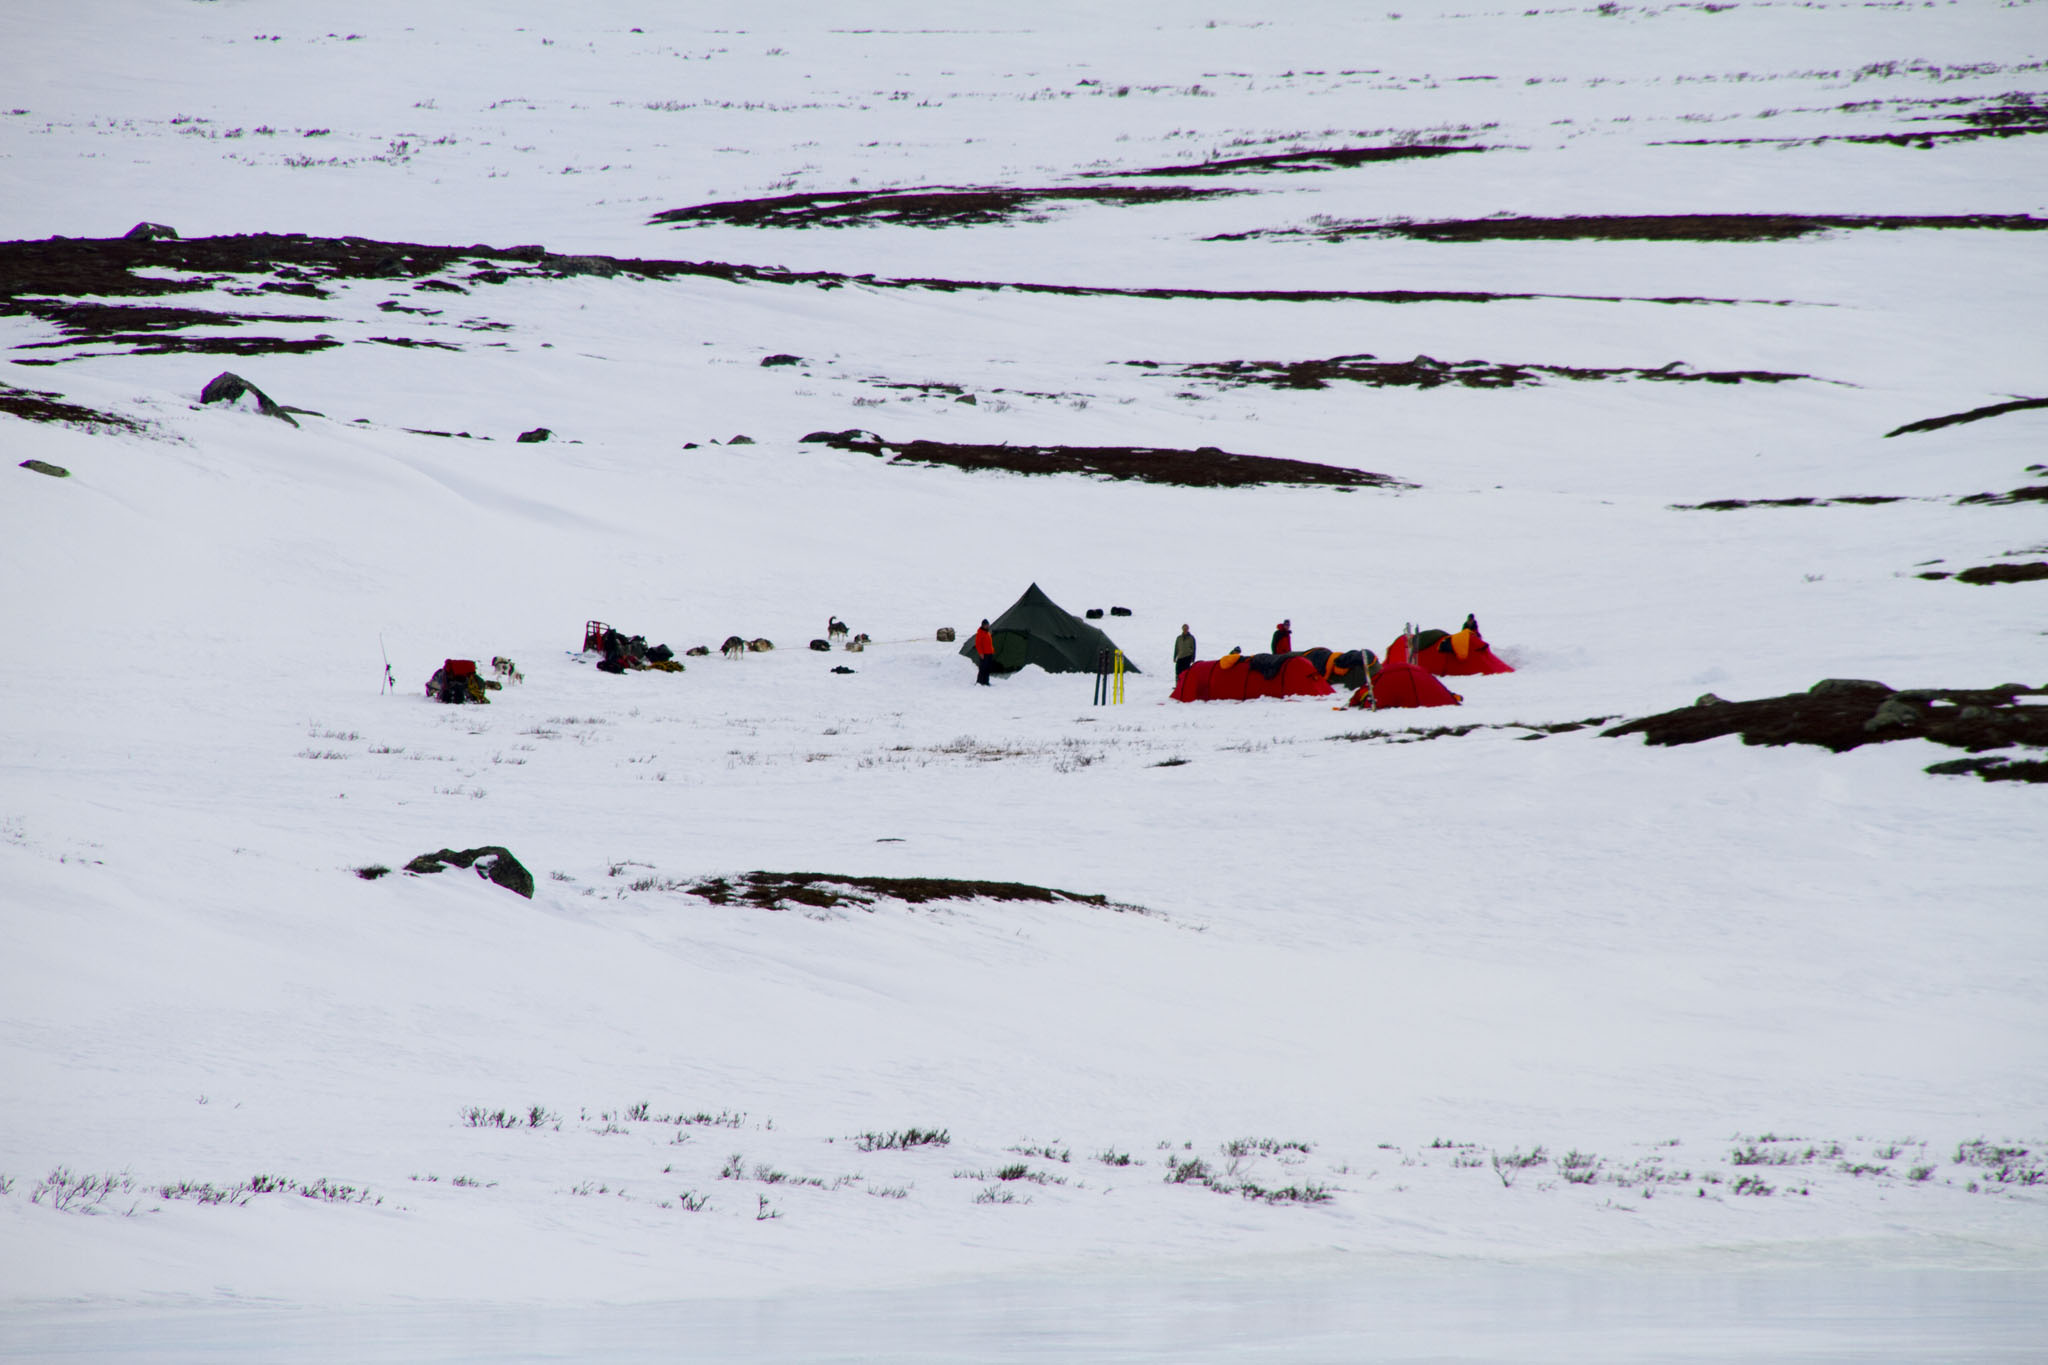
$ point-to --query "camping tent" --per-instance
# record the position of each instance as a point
(1403, 684)
(1450, 653)
(1036, 631)
(1260, 675)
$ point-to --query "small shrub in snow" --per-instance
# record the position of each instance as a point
(536, 1116)
(1751, 1184)
(1920, 1173)
(69, 1193)
(1181, 1172)
(1511, 1166)
(1047, 1153)
(1001, 1194)
(1579, 1168)
(2004, 1165)
(1111, 1157)
(1244, 1147)
(903, 1140)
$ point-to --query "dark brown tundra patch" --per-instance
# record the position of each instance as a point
(781, 890)
(939, 207)
(1426, 372)
(1973, 415)
(1206, 467)
(1737, 504)
(38, 405)
(1845, 713)
(1670, 227)
(1326, 159)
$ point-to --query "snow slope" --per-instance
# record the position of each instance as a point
(1782, 1009)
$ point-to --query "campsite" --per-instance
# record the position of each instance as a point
(1651, 392)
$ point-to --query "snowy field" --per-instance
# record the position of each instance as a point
(1352, 1040)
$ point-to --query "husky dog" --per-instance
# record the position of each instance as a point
(821, 646)
(835, 628)
(858, 643)
(698, 651)
(760, 646)
(733, 647)
(506, 669)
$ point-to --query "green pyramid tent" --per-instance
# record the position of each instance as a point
(1035, 631)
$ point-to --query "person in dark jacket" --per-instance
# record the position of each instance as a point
(984, 652)
(1183, 651)
(1283, 638)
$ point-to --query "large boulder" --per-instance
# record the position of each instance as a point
(490, 861)
(229, 387)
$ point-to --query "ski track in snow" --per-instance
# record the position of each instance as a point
(1709, 1052)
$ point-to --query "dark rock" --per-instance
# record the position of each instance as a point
(968, 399)
(150, 232)
(841, 668)
(1995, 769)
(741, 441)
(770, 361)
(490, 861)
(1828, 685)
(1093, 613)
(1709, 699)
(537, 434)
(227, 386)
(55, 471)
(945, 635)
(1119, 611)
(1854, 713)
(603, 266)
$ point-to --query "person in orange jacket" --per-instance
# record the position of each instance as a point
(984, 652)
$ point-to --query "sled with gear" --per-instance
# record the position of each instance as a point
(456, 681)
(626, 653)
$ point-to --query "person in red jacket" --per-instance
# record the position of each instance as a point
(1283, 638)
(984, 652)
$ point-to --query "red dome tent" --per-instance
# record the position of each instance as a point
(1403, 684)
(1292, 676)
(1450, 654)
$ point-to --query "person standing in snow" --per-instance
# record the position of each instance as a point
(984, 652)
(1283, 638)
(1183, 651)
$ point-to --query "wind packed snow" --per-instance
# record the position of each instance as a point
(1351, 1039)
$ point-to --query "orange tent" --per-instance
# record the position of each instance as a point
(1450, 653)
(1403, 684)
(1292, 676)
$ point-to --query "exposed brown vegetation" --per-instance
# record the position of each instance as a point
(781, 890)
(1973, 415)
(1326, 159)
(39, 405)
(1996, 573)
(1843, 714)
(1206, 467)
(941, 206)
(1737, 504)
(1671, 227)
(1426, 372)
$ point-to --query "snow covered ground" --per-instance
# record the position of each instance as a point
(1511, 1044)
